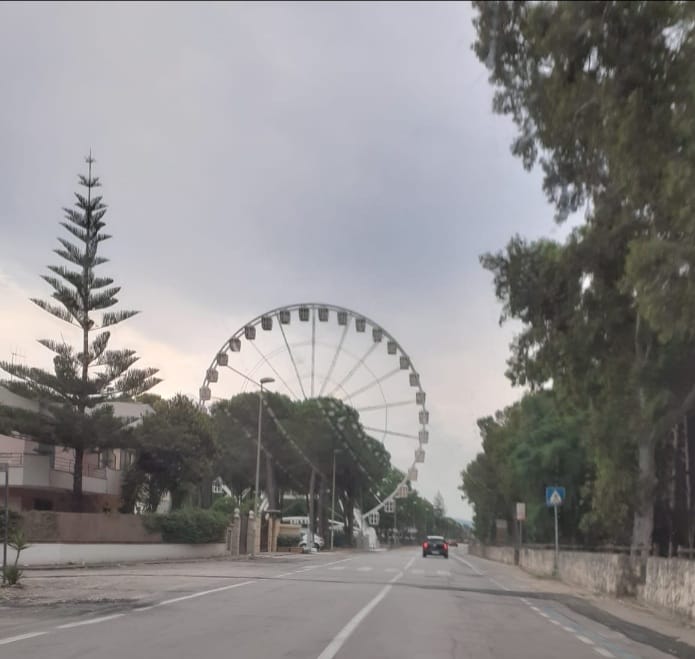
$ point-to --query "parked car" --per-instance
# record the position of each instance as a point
(317, 544)
(435, 545)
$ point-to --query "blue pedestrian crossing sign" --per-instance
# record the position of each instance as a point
(554, 496)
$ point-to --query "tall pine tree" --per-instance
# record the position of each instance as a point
(85, 378)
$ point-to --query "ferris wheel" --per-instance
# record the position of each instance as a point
(318, 350)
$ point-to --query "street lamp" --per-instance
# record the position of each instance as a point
(263, 382)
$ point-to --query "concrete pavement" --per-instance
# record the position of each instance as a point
(375, 605)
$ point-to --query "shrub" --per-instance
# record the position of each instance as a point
(285, 540)
(224, 505)
(189, 525)
(15, 523)
(12, 574)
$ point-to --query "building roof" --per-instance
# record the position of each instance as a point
(121, 409)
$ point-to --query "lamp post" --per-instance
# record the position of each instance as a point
(263, 382)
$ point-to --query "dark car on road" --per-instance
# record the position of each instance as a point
(435, 545)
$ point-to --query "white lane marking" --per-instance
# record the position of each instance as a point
(391, 569)
(525, 601)
(544, 614)
(498, 584)
(467, 564)
(536, 609)
(604, 652)
(443, 573)
(339, 640)
(364, 569)
(584, 639)
(555, 622)
(409, 563)
(568, 629)
(91, 621)
(312, 567)
(202, 593)
(20, 637)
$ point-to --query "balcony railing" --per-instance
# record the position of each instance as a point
(12, 459)
(67, 465)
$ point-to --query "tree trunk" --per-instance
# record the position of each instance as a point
(270, 483)
(348, 520)
(77, 480)
(643, 521)
(322, 510)
(690, 527)
(312, 484)
(672, 490)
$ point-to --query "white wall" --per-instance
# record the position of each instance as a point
(48, 553)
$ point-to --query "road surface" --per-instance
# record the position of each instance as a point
(380, 605)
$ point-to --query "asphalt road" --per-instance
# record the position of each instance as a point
(378, 605)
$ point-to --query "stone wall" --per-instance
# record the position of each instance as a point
(50, 553)
(670, 584)
(537, 561)
(49, 526)
(492, 553)
(610, 574)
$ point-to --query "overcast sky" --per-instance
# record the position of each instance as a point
(256, 155)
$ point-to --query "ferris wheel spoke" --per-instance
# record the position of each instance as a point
(334, 361)
(391, 432)
(354, 369)
(374, 383)
(246, 377)
(294, 363)
(272, 368)
(384, 406)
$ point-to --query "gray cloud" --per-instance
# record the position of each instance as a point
(255, 155)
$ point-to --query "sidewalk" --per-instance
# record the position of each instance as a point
(628, 610)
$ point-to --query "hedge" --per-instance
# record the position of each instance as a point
(189, 526)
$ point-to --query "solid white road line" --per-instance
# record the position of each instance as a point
(339, 640)
(468, 564)
(337, 567)
(584, 639)
(409, 563)
(21, 637)
(604, 652)
(91, 621)
(313, 567)
(201, 594)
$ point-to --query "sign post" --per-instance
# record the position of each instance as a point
(520, 519)
(554, 496)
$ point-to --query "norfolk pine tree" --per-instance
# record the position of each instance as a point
(85, 379)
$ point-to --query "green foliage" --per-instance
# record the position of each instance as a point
(528, 446)
(175, 450)
(285, 540)
(12, 575)
(15, 519)
(87, 377)
(225, 506)
(602, 96)
(189, 526)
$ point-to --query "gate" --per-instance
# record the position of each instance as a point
(243, 533)
(265, 526)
